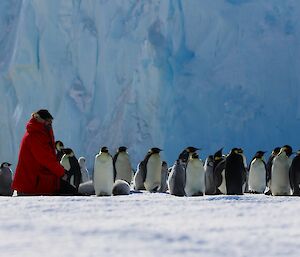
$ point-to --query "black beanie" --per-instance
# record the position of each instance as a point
(44, 114)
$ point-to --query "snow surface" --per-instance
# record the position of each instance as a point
(146, 224)
(171, 73)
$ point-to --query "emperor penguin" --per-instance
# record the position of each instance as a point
(220, 179)
(164, 177)
(139, 177)
(235, 172)
(152, 167)
(5, 179)
(122, 165)
(219, 171)
(103, 173)
(257, 174)
(84, 172)
(59, 146)
(280, 181)
(71, 165)
(176, 179)
(295, 174)
(269, 164)
(195, 180)
(210, 177)
(121, 187)
(210, 185)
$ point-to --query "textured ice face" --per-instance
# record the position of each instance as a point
(145, 74)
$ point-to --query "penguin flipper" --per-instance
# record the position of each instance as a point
(154, 190)
(218, 173)
(114, 165)
(143, 170)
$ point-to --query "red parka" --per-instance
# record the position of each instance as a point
(38, 172)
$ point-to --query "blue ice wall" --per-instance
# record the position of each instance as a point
(152, 73)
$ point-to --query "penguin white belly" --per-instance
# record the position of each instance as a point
(153, 176)
(103, 175)
(195, 180)
(72, 181)
(257, 177)
(138, 181)
(123, 168)
(280, 181)
(290, 160)
(222, 187)
(65, 162)
(171, 180)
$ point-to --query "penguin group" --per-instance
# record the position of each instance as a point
(189, 176)
(112, 174)
(230, 175)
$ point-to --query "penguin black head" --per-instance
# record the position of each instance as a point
(154, 150)
(104, 149)
(218, 154)
(164, 163)
(59, 145)
(5, 165)
(240, 150)
(235, 150)
(276, 151)
(288, 150)
(195, 156)
(191, 149)
(67, 151)
(259, 154)
(122, 149)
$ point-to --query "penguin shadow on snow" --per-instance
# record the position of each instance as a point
(225, 197)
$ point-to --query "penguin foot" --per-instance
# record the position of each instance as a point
(268, 192)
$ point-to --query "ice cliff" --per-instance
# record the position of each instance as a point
(166, 73)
